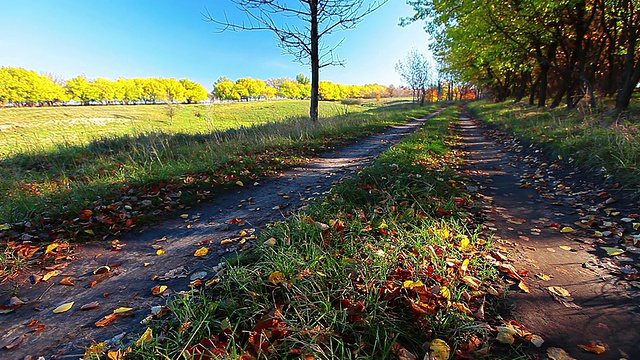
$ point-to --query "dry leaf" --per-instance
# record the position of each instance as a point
(565, 247)
(276, 277)
(440, 350)
(51, 274)
(410, 284)
(543, 277)
(122, 310)
(239, 183)
(537, 340)
(158, 290)
(560, 291)
(566, 229)
(102, 270)
(146, 336)
(63, 308)
(160, 252)
(594, 348)
(555, 353)
(67, 281)
(90, 306)
(106, 320)
(523, 287)
(472, 282)
(203, 251)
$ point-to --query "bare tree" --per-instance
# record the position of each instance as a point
(301, 26)
(416, 71)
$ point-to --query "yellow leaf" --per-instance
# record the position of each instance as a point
(439, 349)
(636, 226)
(565, 247)
(157, 290)
(203, 251)
(543, 277)
(560, 291)
(566, 229)
(160, 252)
(184, 216)
(410, 284)
(612, 251)
(50, 248)
(96, 349)
(146, 336)
(444, 291)
(472, 282)
(122, 310)
(464, 266)
(102, 270)
(239, 183)
(5, 227)
(51, 274)
(63, 308)
(90, 232)
(383, 225)
(523, 287)
(464, 243)
(594, 348)
(505, 337)
(276, 277)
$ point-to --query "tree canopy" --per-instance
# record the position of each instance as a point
(565, 50)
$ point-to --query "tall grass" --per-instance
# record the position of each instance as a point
(601, 142)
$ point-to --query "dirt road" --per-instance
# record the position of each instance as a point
(561, 232)
(164, 255)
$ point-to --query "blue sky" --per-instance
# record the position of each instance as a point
(158, 38)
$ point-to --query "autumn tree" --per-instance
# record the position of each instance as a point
(302, 28)
(415, 70)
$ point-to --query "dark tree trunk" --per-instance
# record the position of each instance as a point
(630, 75)
(315, 61)
(532, 91)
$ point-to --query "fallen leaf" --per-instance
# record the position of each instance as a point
(63, 308)
(543, 277)
(410, 284)
(594, 348)
(612, 251)
(146, 336)
(203, 251)
(239, 183)
(160, 252)
(122, 310)
(555, 353)
(96, 349)
(107, 320)
(567, 229)
(184, 216)
(276, 277)
(158, 290)
(464, 266)
(50, 248)
(90, 306)
(472, 282)
(440, 350)
(560, 291)
(537, 340)
(102, 270)
(67, 281)
(270, 241)
(51, 274)
(516, 221)
(565, 247)
(523, 287)
(5, 227)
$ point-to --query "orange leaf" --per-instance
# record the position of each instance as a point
(594, 348)
(203, 251)
(157, 290)
(107, 320)
(67, 281)
(276, 277)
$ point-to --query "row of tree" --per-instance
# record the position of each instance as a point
(26, 87)
(300, 88)
(562, 51)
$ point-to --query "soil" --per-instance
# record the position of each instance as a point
(527, 199)
(125, 278)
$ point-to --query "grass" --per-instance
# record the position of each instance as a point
(378, 269)
(601, 142)
(109, 185)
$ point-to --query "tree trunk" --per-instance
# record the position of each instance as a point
(532, 91)
(630, 75)
(315, 61)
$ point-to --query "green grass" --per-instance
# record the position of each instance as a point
(36, 130)
(99, 189)
(600, 142)
(372, 270)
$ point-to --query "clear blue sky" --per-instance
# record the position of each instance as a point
(159, 38)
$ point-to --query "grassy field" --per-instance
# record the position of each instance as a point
(98, 189)
(36, 130)
(602, 143)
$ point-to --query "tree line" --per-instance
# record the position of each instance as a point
(300, 88)
(23, 87)
(552, 52)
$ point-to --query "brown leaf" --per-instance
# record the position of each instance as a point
(67, 281)
(594, 348)
(90, 306)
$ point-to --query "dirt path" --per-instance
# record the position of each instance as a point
(35, 330)
(527, 200)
